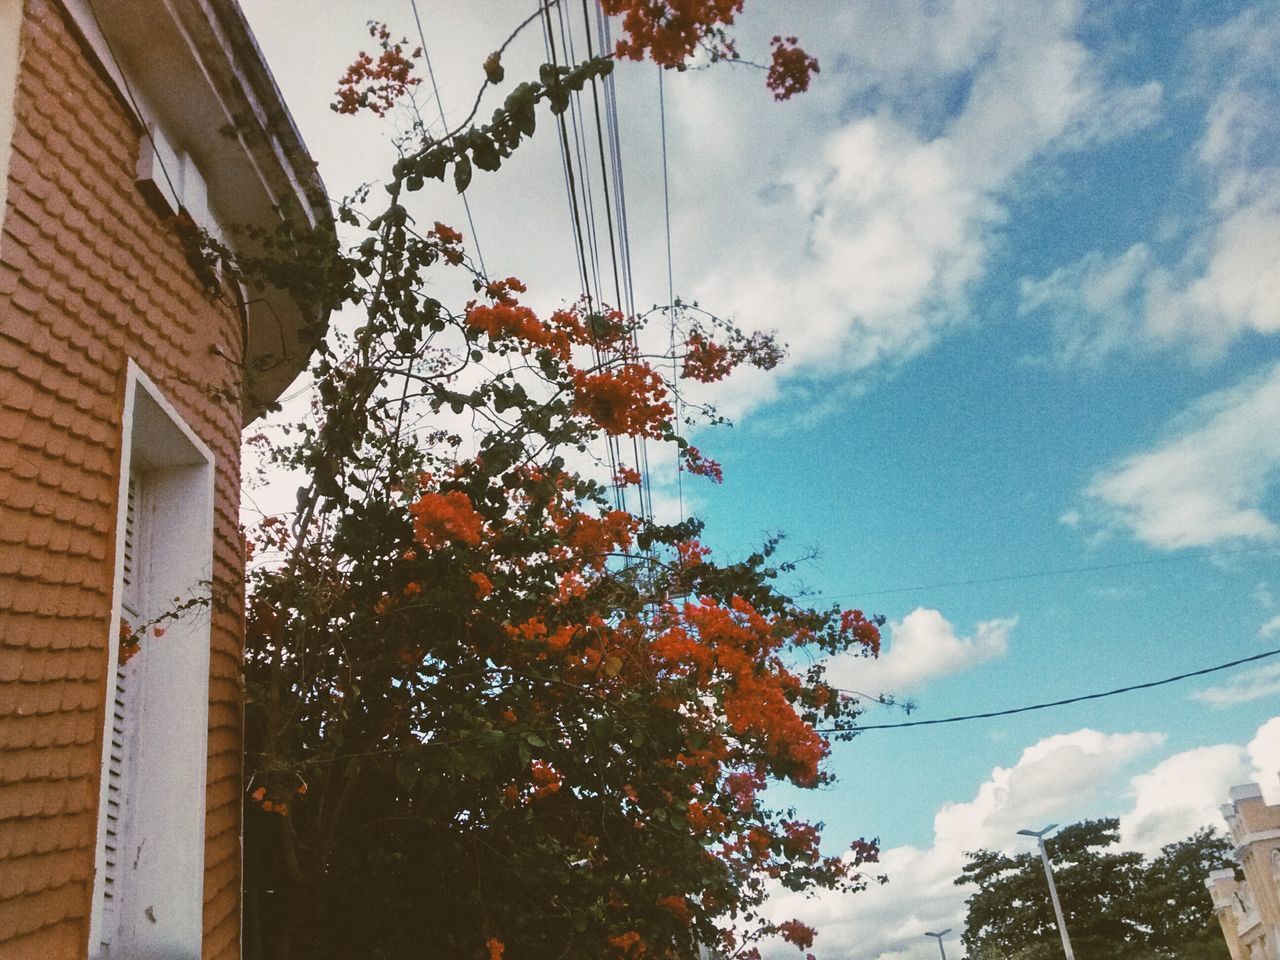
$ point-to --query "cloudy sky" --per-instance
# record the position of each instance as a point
(1024, 254)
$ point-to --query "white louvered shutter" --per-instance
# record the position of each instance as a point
(113, 838)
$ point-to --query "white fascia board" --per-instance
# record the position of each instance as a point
(191, 69)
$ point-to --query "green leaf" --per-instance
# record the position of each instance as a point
(462, 173)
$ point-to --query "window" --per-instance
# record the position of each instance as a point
(149, 879)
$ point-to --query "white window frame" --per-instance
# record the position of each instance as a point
(148, 898)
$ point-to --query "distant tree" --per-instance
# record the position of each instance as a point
(1174, 904)
(1116, 905)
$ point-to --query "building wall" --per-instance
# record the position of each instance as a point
(90, 276)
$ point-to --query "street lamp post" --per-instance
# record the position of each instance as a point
(939, 937)
(1053, 890)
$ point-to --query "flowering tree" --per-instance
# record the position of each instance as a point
(492, 713)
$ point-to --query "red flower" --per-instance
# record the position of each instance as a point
(546, 779)
(629, 399)
(626, 477)
(865, 631)
(793, 931)
(705, 361)
(441, 517)
(377, 84)
(791, 69)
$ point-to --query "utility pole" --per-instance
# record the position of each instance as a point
(1053, 890)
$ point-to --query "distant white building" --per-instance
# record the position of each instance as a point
(1249, 909)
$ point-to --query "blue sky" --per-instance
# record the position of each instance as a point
(1024, 254)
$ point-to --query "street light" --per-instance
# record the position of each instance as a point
(1053, 890)
(940, 936)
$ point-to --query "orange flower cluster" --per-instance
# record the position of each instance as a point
(277, 807)
(129, 645)
(739, 643)
(705, 821)
(678, 906)
(626, 477)
(670, 31)
(790, 70)
(691, 553)
(800, 839)
(705, 361)
(592, 539)
(629, 399)
(377, 84)
(793, 931)
(501, 321)
(629, 944)
(449, 242)
(546, 779)
(439, 518)
(864, 630)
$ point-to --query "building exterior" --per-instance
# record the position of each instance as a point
(1248, 909)
(123, 392)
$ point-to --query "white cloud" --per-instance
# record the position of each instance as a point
(1270, 628)
(1220, 285)
(1264, 755)
(1066, 778)
(1053, 779)
(923, 646)
(1205, 485)
(1243, 688)
(905, 201)
(1181, 794)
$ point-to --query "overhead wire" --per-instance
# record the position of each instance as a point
(577, 210)
(1053, 572)
(671, 290)
(435, 90)
(566, 163)
(616, 217)
(1058, 703)
(578, 123)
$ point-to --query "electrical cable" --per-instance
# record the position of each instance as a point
(1036, 574)
(572, 190)
(619, 238)
(1058, 703)
(426, 55)
(570, 186)
(124, 79)
(671, 289)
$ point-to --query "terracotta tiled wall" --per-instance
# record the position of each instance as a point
(89, 275)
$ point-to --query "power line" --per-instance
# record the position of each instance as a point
(671, 287)
(1059, 703)
(1059, 571)
(422, 37)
